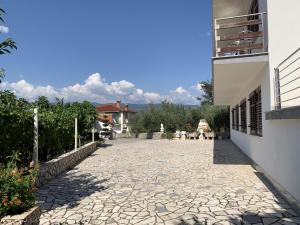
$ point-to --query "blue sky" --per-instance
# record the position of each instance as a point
(106, 49)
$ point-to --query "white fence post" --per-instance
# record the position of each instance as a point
(36, 137)
(93, 132)
(76, 134)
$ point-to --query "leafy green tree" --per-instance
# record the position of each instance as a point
(217, 116)
(207, 96)
(5, 46)
(179, 117)
(174, 117)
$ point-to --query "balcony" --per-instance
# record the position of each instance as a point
(240, 54)
(238, 36)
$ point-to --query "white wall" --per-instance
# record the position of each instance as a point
(277, 151)
(284, 33)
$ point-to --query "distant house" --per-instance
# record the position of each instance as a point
(117, 114)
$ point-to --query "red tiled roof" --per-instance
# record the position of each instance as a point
(112, 107)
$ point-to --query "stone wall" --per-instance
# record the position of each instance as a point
(30, 217)
(54, 167)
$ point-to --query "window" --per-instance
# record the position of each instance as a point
(255, 112)
(243, 106)
(235, 118)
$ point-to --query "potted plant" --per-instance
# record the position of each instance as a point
(17, 202)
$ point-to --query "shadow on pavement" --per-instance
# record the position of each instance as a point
(68, 190)
(284, 216)
(225, 152)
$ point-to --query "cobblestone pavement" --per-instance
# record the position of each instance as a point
(164, 182)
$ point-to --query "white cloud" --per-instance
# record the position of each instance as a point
(182, 96)
(3, 29)
(24, 89)
(180, 90)
(96, 89)
(198, 87)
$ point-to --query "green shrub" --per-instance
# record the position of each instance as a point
(178, 117)
(168, 135)
(174, 117)
(100, 142)
(56, 126)
(217, 117)
(17, 188)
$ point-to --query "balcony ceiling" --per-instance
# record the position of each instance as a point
(232, 76)
(228, 8)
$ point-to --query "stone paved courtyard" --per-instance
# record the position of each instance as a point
(164, 182)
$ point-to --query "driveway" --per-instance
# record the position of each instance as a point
(164, 182)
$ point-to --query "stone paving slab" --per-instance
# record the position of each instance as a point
(164, 182)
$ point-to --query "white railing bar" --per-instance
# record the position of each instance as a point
(291, 99)
(234, 17)
(288, 57)
(241, 55)
(290, 82)
(290, 64)
(290, 90)
(215, 36)
(284, 76)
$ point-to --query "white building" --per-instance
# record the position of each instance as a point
(255, 43)
(117, 114)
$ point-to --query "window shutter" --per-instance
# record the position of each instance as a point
(255, 112)
(233, 118)
(237, 119)
(244, 116)
(259, 113)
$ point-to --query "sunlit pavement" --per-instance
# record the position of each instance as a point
(164, 182)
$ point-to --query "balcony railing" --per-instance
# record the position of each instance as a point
(241, 35)
(287, 82)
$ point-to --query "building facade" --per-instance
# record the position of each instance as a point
(256, 70)
(117, 114)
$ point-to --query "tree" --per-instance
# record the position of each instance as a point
(216, 116)
(207, 96)
(5, 46)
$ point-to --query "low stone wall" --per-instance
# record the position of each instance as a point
(54, 167)
(122, 135)
(155, 135)
(30, 217)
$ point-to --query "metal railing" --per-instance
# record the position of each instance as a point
(241, 35)
(287, 82)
